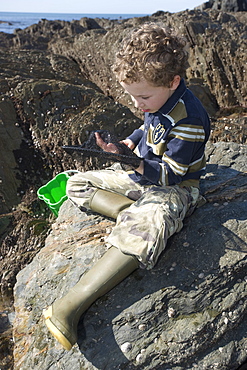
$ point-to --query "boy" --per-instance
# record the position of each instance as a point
(150, 201)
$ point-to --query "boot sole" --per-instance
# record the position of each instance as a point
(54, 330)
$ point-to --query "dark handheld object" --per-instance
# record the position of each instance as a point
(90, 149)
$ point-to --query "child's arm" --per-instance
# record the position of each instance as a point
(135, 137)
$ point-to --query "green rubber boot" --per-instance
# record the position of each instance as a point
(108, 203)
(63, 316)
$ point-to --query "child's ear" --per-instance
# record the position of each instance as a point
(175, 82)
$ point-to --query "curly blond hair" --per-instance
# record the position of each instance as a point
(153, 53)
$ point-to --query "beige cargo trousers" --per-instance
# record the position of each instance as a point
(143, 228)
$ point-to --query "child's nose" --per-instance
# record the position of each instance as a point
(137, 103)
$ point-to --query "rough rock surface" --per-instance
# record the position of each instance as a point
(217, 43)
(217, 49)
(225, 5)
(47, 96)
(188, 312)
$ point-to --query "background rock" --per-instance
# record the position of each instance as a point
(225, 5)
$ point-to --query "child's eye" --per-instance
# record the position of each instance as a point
(145, 97)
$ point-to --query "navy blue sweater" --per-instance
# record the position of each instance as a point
(172, 141)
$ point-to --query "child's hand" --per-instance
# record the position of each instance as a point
(129, 143)
(111, 148)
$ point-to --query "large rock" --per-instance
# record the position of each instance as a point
(45, 95)
(188, 312)
(217, 45)
(225, 5)
(217, 53)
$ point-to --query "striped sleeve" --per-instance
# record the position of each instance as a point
(188, 132)
(184, 157)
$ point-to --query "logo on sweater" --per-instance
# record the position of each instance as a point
(158, 133)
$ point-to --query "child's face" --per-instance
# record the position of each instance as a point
(149, 98)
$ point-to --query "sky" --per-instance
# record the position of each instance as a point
(98, 6)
